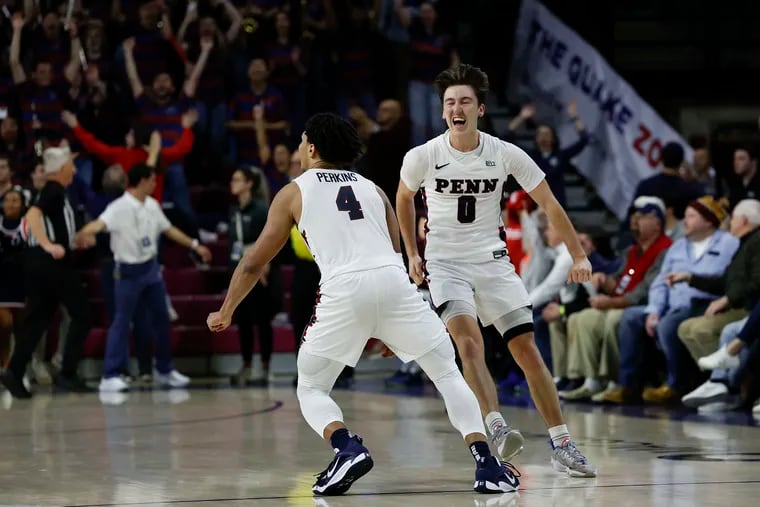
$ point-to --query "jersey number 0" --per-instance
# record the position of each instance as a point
(466, 209)
(346, 201)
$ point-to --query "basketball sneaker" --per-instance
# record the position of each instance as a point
(491, 476)
(346, 467)
(567, 458)
(508, 441)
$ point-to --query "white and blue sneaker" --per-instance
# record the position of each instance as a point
(492, 476)
(346, 467)
(568, 459)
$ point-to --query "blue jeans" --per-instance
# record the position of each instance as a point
(727, 336)
(139, 296)
(632, 344)
(425, 111)
(140, 324)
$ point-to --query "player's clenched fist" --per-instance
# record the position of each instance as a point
(580, 271)
(217, 322)
(415, 270)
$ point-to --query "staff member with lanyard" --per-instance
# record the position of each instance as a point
(247, 218)
(51, 279)
(135, 221)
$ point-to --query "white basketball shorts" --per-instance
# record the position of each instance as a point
(379, 303)
(493, 287)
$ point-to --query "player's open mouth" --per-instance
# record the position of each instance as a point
(458, 120)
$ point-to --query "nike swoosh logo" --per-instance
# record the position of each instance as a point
(442, 165)
(334, 466)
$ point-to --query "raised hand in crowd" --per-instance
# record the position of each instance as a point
(527, 111)
(69, 119)
(572, 111)
(154, 148)
(189, 118)
(129, 45)
(18, 21)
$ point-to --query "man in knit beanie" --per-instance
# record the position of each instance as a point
(710, 209)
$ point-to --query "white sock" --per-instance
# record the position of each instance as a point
(494, 420)
(558, 434)
(592, 384)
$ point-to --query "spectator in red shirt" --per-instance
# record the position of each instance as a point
(136, 150)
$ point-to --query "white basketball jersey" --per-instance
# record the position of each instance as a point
(343, 222)
(463, 191)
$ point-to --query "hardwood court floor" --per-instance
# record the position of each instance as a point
(244, 447)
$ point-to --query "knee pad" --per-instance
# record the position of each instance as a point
(451, 309)
(515, 323)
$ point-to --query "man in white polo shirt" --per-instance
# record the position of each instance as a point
(135, 222)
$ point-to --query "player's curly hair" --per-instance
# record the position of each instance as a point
(463, 74)
(335, 139)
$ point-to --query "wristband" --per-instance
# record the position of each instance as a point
(562, 310)
(194, 244)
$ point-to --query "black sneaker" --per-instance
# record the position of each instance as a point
(346, 467)
(14, 385)
(72, 384)
(492, 476)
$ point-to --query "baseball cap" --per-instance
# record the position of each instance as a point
(650, 204)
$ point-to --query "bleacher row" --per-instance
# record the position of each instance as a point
(194, 294)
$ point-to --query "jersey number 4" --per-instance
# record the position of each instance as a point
(346, 201)
(466, 210)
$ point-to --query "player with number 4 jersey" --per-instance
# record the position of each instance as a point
(468, 271)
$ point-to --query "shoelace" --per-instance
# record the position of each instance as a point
(513, 469)
(501, 432)
(572, 451)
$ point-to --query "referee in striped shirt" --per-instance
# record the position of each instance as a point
(51, 278)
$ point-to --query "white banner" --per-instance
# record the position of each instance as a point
(551, 66)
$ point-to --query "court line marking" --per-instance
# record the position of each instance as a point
(277, 405)
(393, 493)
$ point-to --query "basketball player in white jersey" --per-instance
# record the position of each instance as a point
(469, 272)
(351, 230)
